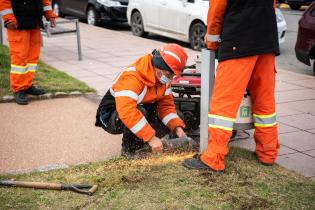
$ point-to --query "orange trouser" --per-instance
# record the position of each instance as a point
(24, 52)
(257, 73)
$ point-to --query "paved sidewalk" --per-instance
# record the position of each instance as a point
(106, 52)
(295, 98)
(52, 133)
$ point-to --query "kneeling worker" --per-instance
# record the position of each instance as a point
(140, 103)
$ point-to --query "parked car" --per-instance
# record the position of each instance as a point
(305, 43)
(184, 20)
(297, 4)
(94, 11)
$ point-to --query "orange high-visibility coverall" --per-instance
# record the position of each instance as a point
(137, 84)
(24, 47)
(257, 73)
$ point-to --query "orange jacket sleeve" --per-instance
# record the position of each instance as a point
(7, 12)
(215, 20)
(126, 91)
(166, 111)
(48, 12)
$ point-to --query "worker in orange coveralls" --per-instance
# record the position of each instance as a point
(23, 20)
(245, 34)
(140, 103)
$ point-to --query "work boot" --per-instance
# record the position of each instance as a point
(35, 91)
(21, 98)
(196, 163)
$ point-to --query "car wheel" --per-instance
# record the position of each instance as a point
(137, 27)
(92, 17)
(295, 6)
(196, 36)
(56, 9)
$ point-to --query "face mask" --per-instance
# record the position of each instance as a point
(164, 80)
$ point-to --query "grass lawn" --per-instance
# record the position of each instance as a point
(46, 77)
(161, 182)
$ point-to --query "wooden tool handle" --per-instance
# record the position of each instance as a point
(93, 189)
(38, 185)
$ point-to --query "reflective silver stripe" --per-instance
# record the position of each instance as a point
(47, 8)
(112, 92)
(130, 94)
(137, 127)
(127, 93)
(168, 91)
(131, 68)
(218, 122)
(18, 69)
(171, 54)
(142, 94)
(169, 117)
(265, 120)
(213, 38)
(6, 12)
(31, 67)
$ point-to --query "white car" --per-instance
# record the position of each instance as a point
(184, 20)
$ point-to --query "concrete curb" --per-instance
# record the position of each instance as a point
(9, 98)
(44, 168)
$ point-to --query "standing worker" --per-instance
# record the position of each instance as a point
(23, 20)
(245, 34)
(140, 103)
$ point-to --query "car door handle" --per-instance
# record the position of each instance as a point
(163, 3)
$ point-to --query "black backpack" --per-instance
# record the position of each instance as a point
(107, 116)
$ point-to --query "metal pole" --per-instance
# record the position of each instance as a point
(207, 82)
(1, 30)
(78, 39)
